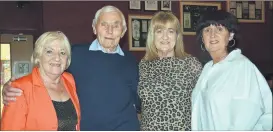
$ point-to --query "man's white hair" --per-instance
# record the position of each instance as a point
(110, 8)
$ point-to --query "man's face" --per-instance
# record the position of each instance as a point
(109, 30)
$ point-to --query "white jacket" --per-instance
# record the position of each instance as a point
(231, 95)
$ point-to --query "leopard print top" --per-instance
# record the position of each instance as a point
(165, 88)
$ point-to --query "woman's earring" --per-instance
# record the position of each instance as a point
(202, 47)
(233, 43)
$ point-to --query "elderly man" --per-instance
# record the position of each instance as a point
(106, 77)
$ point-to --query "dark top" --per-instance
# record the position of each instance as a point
(66, 114)
(107, 89)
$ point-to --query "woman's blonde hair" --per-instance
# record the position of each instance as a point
(47, 38)
(160, 20)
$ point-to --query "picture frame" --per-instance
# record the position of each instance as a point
(21, 68)
(247, 11)
(166, 5)
(138, 26)
(135, 5)
(151, 5)
(190, 13)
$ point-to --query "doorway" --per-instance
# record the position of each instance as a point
(5, 66)
(14, 48)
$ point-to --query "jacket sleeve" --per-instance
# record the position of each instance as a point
(251, 107)
(265, 120)
(15, 113)
(132, 68)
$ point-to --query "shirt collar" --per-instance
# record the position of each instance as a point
(233, 55)
(230, 57)
(95, 46)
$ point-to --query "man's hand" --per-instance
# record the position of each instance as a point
(139, 117)
(9, 93)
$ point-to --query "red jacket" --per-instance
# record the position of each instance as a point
(34, 110)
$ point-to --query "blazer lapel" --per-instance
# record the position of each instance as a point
(44, 106)
(72, 93)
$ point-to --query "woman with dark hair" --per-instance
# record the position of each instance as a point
(231, 93)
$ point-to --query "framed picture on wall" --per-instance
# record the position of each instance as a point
(190, 13)
(138, 26)
(166, 5)
(135, 4)
(151, 5)
(21, 68)
(247, 11)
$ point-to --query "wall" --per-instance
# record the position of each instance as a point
(27, 20)
(75, 19)
(20, 51)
